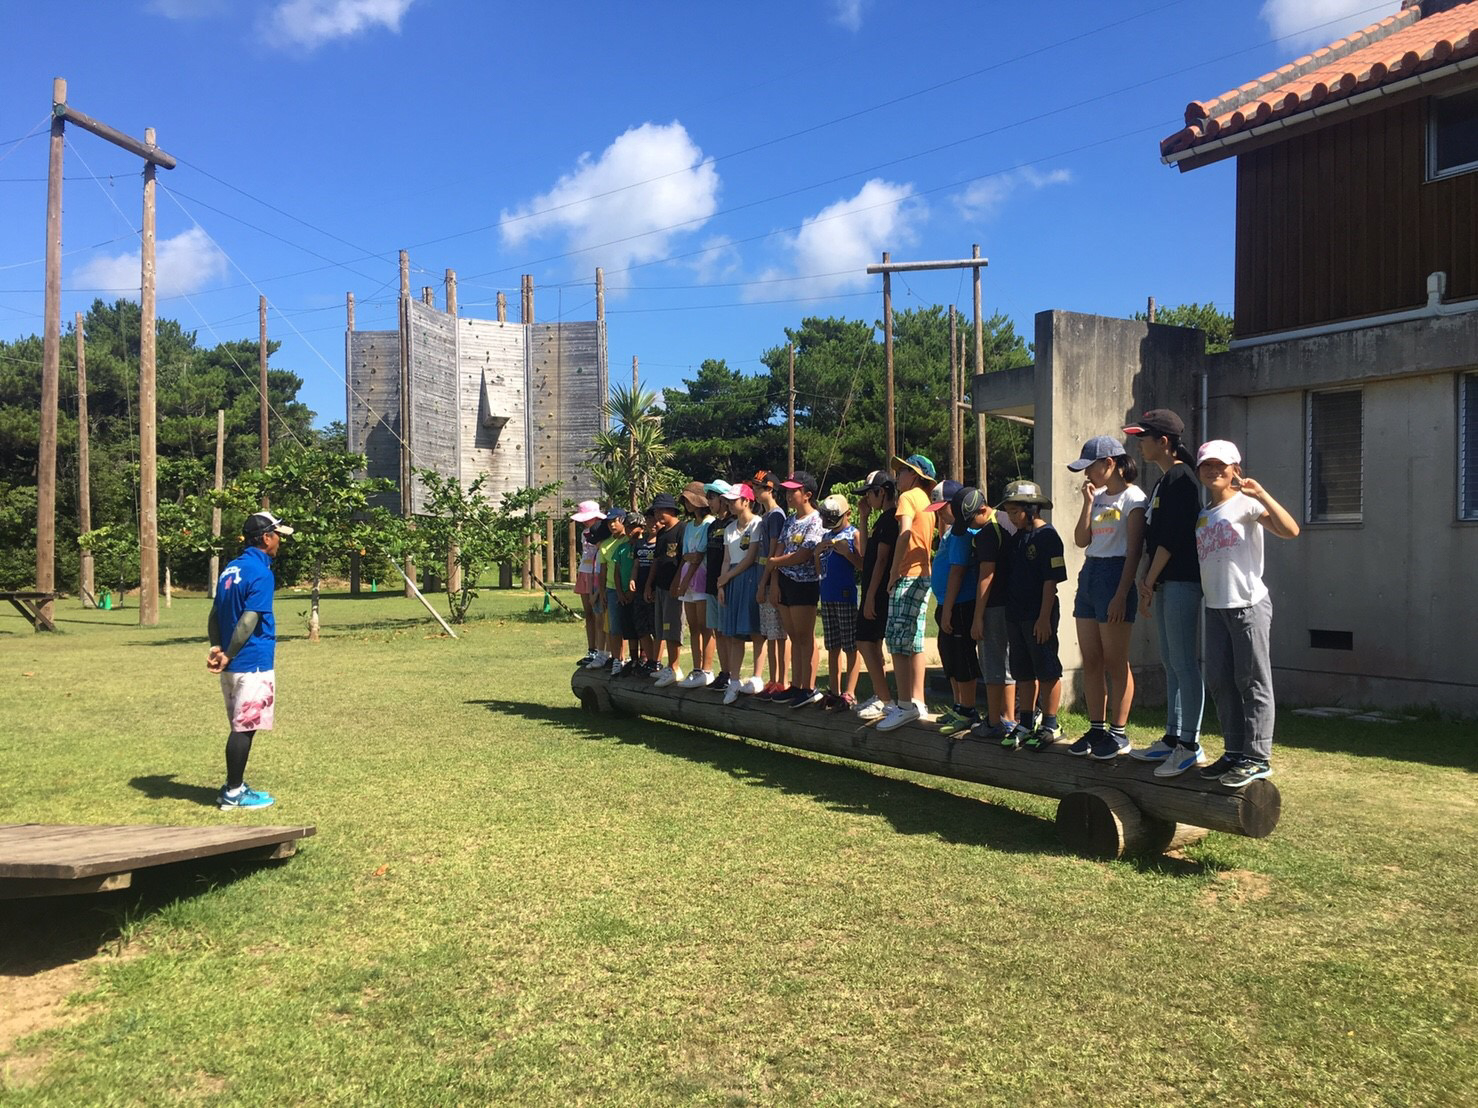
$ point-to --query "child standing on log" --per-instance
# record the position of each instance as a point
(953, 582)
(800, 588)
(877, 543)
(586, 513)
(617, 563)
(667, 609)
(738, 591)
(691, 583)
(1239, 610)
(765, 483)
(1038, 566)
(642, 605)
(837, 560)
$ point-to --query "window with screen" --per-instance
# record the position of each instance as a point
(1335, 460)
(1452, 141)
(1467, 451)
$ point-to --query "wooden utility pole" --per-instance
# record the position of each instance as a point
(148, 456)
(502, 307)
(349, 407)
(215, 512)
(454, 553)
(428, 296)
(262, 426)
(451, 292)
(890, 435)
(980, 474)
(84, 471)
(631, 443)
(409, 572)
(51, 357)
(956, 371)
(600, 295)
(888, 267)
(790, 411)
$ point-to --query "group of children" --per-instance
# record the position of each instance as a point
(747, 566)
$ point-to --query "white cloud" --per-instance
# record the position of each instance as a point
(1316, 23)
(184, 264)
(649, 186)
(984, 199)
(311, 23)
(847, 13)
(718, 258)
(843, 239)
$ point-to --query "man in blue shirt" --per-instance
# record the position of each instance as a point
(242, 618)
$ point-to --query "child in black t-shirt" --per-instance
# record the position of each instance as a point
(646, 548)
(1038, 566)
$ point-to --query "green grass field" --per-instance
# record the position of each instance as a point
(510, 902)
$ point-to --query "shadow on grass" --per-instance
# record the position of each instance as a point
(911, 808)
(1430, 742)
(164, 786)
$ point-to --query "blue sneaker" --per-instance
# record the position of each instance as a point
(1105, 748)
(1157, 751)
(1084, 745)
(244, 797)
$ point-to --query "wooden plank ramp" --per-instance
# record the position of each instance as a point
(1107, 809)
(49, 859)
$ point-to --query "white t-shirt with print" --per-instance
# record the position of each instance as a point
(1229, 544)
(739, 539)
(1109, 520)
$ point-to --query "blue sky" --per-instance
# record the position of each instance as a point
(733, 168)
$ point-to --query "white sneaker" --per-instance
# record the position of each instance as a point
(665, 676)
(731, 694)
(872, 710)
(599, 660)
(1180, 759)
(1157, 751)
(752, 685)
(907, 712)
(693, 680)
(616, 666)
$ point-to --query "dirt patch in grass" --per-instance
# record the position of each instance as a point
(1238, 886)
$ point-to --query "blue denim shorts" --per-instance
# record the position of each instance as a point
(1097, 582)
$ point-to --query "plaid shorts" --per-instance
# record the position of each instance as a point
(839, 625)
(906, 605)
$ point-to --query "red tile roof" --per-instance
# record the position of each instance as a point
(1392, 50)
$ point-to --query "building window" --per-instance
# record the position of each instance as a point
(1467, 451)
(1452, 139)
(1335, 461)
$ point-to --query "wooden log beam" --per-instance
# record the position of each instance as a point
(1169, 801)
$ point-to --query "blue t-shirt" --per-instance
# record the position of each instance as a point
(246, 585)
(774, 527)
(955, 550)
(838, 575)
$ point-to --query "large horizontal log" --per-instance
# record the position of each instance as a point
(1252, 810)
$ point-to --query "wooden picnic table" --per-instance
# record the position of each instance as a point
(32, 605)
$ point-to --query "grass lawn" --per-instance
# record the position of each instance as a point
(510, 902)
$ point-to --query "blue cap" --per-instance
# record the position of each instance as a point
(1099, 446)
(919, 463)
(720, 486)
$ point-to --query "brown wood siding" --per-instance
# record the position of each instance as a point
(433, 393)
(1341, 223)
(566, 391)
(373, 424)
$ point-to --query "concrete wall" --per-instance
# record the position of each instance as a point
(1402, 582)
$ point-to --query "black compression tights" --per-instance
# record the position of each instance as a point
(238, 749)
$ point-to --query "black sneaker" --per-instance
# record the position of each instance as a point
(1222, 765)
(720, 681)
(1245, 772)
(1085, 745)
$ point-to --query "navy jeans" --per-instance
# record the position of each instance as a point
(1177, 609)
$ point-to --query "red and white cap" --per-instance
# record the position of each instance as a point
(1221, 451)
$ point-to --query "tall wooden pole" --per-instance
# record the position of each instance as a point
(454, 552)
(84, 471)
(1150, 310)
(600, 295)
(980, 474)
(262, 426)
(631, 444)
(790, 411)
(51, 357)
(409, 572)
(890, 444)
(354, 583)
(428, 296)
(215, 512)
(451, 292)
(502, 307)
(148, 460)
(956, 459)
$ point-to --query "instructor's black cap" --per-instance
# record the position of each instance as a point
(263, 523)
(1158, 421)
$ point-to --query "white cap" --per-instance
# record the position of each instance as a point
(1220, 450)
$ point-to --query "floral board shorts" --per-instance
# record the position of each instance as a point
(250, 698)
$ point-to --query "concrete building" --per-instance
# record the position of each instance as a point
(1351, 384)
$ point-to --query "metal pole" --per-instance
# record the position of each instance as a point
(148, 459)
(956, 459)
(51, 356)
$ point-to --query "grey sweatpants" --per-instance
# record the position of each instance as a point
(1239, 673)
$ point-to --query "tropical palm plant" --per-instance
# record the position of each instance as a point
(628, 459)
